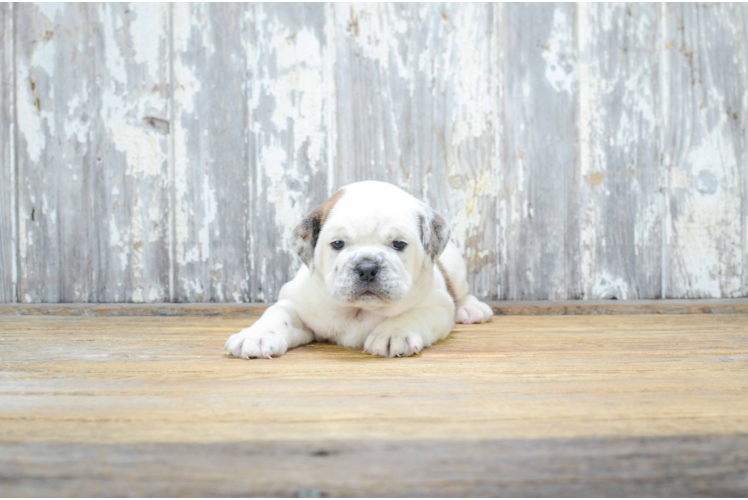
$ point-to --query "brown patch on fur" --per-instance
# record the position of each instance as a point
(447, 280)
(326, 207)
(434, 233)
(311, 226)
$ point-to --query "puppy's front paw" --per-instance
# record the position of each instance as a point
(391, 344)
(473, 311)
(256, 343)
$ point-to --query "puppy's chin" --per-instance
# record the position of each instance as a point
(369, 299)
(374, 298)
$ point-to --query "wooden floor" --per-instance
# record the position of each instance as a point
(628, 405)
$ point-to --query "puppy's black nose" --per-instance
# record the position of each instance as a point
(367, 270)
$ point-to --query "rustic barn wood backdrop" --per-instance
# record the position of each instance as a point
(165, 152)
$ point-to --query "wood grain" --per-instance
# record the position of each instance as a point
(211, 174)
(679, 466)
(703, 153)
(620, 182)
(92, 152)
(128, 380)
(743, 116)
(128, 165)
(579, 405)
(417, 110)
(55, 108)
(291, 133)
(8, 239)
(541, 153)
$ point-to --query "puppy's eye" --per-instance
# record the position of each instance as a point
(399, 245)
(337, 244)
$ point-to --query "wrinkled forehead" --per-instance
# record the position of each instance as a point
(382, 214)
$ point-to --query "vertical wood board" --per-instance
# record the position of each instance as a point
(130, 148)
(540, 153)
(620, 181)
(289, 106)
(418, 110)
(54, 91)
(211, 175)
(8, 206)
(703, 154)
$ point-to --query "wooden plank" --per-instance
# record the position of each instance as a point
(139, 380)
(594, 467)
(92, 153)
(512, 308)
(455, 130)
(743, 117)
(540, 174)
(621, 218)
(8, 206)
(54, 85)
(374, 68)
(415, 109)
(211, 175)
(703, 154)
(522, 406)
(129, 129)
(292, 132)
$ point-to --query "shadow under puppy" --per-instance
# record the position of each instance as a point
(379, 272)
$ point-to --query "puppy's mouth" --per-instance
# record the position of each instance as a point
(368, 294)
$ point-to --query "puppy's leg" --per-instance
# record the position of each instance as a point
(469, 308)
(278, 330)
(472, 310)
(408, 333)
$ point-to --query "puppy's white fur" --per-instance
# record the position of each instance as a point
(418, 293)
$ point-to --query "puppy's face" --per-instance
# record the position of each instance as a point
(369, 242)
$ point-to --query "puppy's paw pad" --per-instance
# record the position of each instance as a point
(251, 343)
(390, 345)
(475, 312)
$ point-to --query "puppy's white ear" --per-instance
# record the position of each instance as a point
(434, 232)
(306, 234)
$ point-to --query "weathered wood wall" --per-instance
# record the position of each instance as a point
(165, 152)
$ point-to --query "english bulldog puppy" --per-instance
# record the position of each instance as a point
(379, 273)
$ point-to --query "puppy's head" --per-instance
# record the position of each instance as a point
(369, 242)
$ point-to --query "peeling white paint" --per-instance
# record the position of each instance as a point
(210, 209)
(472, 93)
(560, 70)
(298, 89)
(456, 158)
(607, 286)
(617, 123)
(465, 196)
(33, 113)
(372, 28)
(50, 10)
(710, 254)
(115, 60)
(289, 206)
(147, 42)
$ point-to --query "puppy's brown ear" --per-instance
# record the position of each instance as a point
(434, 232)
(305, 237)
(306, 234)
